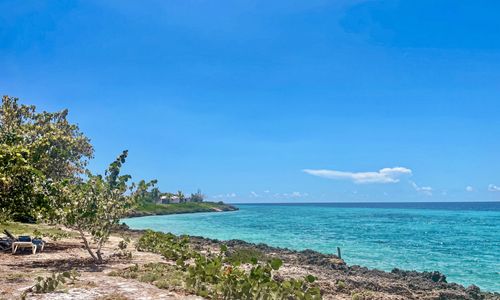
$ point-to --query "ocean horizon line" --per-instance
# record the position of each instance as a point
(456, 206)
(365, 202)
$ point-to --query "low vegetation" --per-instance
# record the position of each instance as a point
(222, 275)
(36, 230)
(179, 208)
(364, 295)
(51, 283)
(162, 275)
(244, 255)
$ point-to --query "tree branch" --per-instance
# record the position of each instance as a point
(87, 246)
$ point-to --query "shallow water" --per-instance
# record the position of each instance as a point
(462, 240)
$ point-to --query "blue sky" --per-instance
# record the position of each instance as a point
(281, 101)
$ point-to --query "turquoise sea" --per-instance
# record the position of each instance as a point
(461, 240)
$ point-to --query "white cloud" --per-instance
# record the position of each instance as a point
(290, 195)
(296, 195)
(385, 175)
(254, 194)
(469, 188)
(229, 195)
(493, 188)
(426, 190)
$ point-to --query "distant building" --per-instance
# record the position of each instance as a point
(168, 198)
(175, 199)
(164, 200)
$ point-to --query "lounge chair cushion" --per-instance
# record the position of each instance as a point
(39, 243)
(24, 238)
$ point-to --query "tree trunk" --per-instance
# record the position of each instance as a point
(98, 252)
(97, 259)
(99, 256)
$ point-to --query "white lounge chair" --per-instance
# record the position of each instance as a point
(18, 245)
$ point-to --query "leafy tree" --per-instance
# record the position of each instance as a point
(97, 204)
(57, 148)
(198, 197)
(19, 182)
(147, 192)
(40, 152)
(181, 196)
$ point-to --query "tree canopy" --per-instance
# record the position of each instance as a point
(20, 183)
(39, 151)
(56, 147)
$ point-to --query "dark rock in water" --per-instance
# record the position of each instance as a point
(437, 276)
(475, 292)
(123, 226)
(315, 258)
(434, 276)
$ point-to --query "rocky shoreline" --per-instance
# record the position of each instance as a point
(335, 278)
(341, 281)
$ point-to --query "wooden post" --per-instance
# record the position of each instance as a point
(338, 253)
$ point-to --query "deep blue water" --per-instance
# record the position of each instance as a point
(462, 240)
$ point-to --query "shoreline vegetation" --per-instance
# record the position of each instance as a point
(143, 263)
(151, 209)
(44, 181)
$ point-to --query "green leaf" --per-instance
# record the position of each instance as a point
(276, 263)
(180, 262)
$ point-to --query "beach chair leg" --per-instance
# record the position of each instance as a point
(14, 249)
(33, 249)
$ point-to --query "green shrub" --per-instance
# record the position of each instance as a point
(163, 284)
(114, 296)
(162, 275)
(365, 295)
(209, 277)
(122, 245)
(15, 277)
(174, 279)
(51, 283)
(218, 276)
(167, 244)
(130, 272)
(244, 256)
(123, 254)
(149, 277)
(341, 285)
